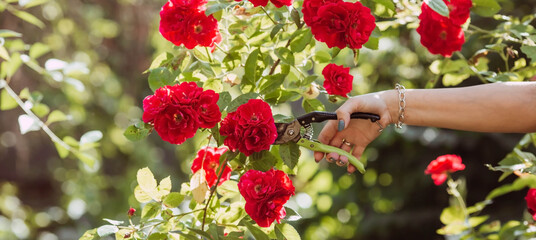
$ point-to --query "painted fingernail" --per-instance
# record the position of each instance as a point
(341, 125)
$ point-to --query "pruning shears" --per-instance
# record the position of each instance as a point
(292, 132)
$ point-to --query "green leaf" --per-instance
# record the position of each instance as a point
(242, 99)
(160, 77)
(201, 54)
(4, 33)
(311, 105)
(28, 18)
(372, 43)
(453, 79)
(475, 221)
(256, 232)
(201, 233)
(106, 230)
(6, 101)
(387, 3)
(147, 181)
(296, 18)
(438, 6)
(137, 131)
(288, 231)
(290, 154)
(285, 55)
(62, 151)
(530, 51)
(301, 41)
(251, 67)
(3, 53)
(40, 109)
(292, 215)
(276, 29)
(335, 51)
(518, 184)
(157, 236)
(90, 235)
(173, 200)
(356, 56)
(10, 67)
(38, 50)
(272, 83)
(215, 8)
(87, 159)
(164, 188)
(263, 160)
(451, 214)
(322, 56)
(56, 116)
(485, 8)
(150, 210)
(224, 100)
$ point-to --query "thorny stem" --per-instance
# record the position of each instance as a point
(222, 169)
(272, 70)
(36, 119)
(271, 19)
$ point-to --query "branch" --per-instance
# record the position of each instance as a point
(272, 70)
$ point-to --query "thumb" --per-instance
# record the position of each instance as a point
(343, 117)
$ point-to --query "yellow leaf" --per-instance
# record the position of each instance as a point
(141, 196)
(164, 188)
(199, 187)
(147, 182)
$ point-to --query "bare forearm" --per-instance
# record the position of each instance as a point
(496, 107)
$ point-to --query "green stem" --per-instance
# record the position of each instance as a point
(480, 29)
(208, 54)
(222, 169)
(271, 19)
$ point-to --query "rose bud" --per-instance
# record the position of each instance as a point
(131, 212)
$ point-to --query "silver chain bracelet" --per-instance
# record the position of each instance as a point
(401, 104)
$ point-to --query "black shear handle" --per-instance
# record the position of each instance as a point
(323, 116)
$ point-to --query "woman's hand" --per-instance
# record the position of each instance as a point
(357, 133)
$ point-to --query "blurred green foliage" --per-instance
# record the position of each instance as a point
(81, 72)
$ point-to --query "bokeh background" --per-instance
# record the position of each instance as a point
(45, 197)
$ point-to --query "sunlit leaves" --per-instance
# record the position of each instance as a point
(199, 186)
(148, 185)
(290, 154)
(485, 8)
(530, 51)
(6, 102)
(160, 77)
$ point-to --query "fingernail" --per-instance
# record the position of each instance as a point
(341, 125)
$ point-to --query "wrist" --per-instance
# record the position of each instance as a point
(390, 98)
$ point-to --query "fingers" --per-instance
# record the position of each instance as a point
(357, 152)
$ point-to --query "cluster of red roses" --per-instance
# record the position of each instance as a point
(208, 159)
(277, 3)
(265, 194)
(250, 128)
(442, 166)
(444, 35)
(185, 22)
(178, 111)
(338, 23)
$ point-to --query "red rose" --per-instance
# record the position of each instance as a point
(250, 128)
(209, 159)
(459, 10)
(176, 123)
(442, 165)
(338, 80)
(531, 202)
(440, 36)
(343, 24)
(178, 111)
(310, 9)
(185, 22)
(265, 194)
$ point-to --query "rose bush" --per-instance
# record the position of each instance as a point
(233, 65)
